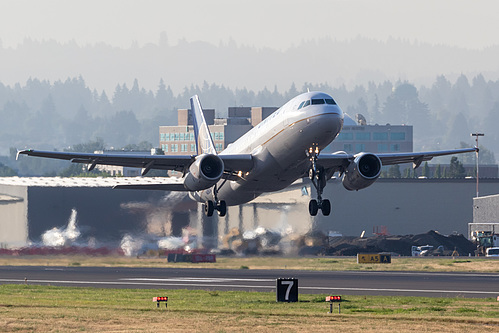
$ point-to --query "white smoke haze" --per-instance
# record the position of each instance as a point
(157, 215)
(135, 245)
(170, 243)
(157, 227)
(131, 246)
(57, 237)
(155, 234)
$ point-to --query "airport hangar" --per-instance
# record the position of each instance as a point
(31, 206)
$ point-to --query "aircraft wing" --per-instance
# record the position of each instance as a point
(232, 163)
(169, 185)
(417, 158)
(339, 161)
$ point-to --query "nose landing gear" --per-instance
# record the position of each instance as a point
(318, 177)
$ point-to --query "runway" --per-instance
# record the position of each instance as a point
(479, 285)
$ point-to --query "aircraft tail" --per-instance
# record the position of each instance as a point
(204, 141)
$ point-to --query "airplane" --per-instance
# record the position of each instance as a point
(283, 148)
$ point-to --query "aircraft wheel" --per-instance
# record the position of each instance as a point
(326, 207)
(313, 207)
(209, 207)
(222, 208)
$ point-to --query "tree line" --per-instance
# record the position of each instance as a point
(455, 169)
(60, 115)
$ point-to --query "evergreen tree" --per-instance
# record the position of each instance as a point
(88, 147)
(79, 170)
(438, 171)
(5, 171)
(445, 172)
(426, 170)
(456, 168)
(394, 171)
(142, 146)
(403, 106)
(408, 172)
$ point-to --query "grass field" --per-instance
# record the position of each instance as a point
(30, 308)
(26, 308)
(435, 264)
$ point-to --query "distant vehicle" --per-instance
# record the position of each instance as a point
(282, 148)
(492, 252)
(421, 251)
(484, 240)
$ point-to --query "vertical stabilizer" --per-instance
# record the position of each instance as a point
(204, 142)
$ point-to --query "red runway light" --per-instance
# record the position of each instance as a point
(160, 299)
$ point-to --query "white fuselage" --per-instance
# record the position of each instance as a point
(279, 146)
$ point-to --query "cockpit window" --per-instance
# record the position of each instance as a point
(317, 101)
(307, 103)
(301, 105)
(330, 101)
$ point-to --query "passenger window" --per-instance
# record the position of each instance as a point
(330, 101)
(307, 103)
(301, 105)
(317, 101)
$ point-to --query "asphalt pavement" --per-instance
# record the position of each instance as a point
(479, 285)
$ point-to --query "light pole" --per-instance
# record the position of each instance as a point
(476, 135)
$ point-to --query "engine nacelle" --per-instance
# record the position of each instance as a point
(362, 172)
(205, 172)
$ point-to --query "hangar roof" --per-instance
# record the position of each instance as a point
(81, 182)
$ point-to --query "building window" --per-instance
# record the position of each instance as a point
(176, 137)
(360, 147)
(345, 136)
(167, 137)
(382, 147)
(182, 136)
(193, 147)
(183, 147)
(221, 135)
(192, 136)
(347, 147)
(363, 136)
(379, 136)
(395, 147)
(174, 148)
(217, 136)
(397, 136)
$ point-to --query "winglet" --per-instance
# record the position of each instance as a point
(19, 152)
(204, 142)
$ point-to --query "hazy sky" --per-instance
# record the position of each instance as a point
(277, 24)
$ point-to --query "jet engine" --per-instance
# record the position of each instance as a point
(205, 172)
(362, 172)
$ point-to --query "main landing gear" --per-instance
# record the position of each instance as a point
(210, 207)
(317, 175)
(220, 205)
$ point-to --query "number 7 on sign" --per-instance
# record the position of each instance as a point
(290, 285)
